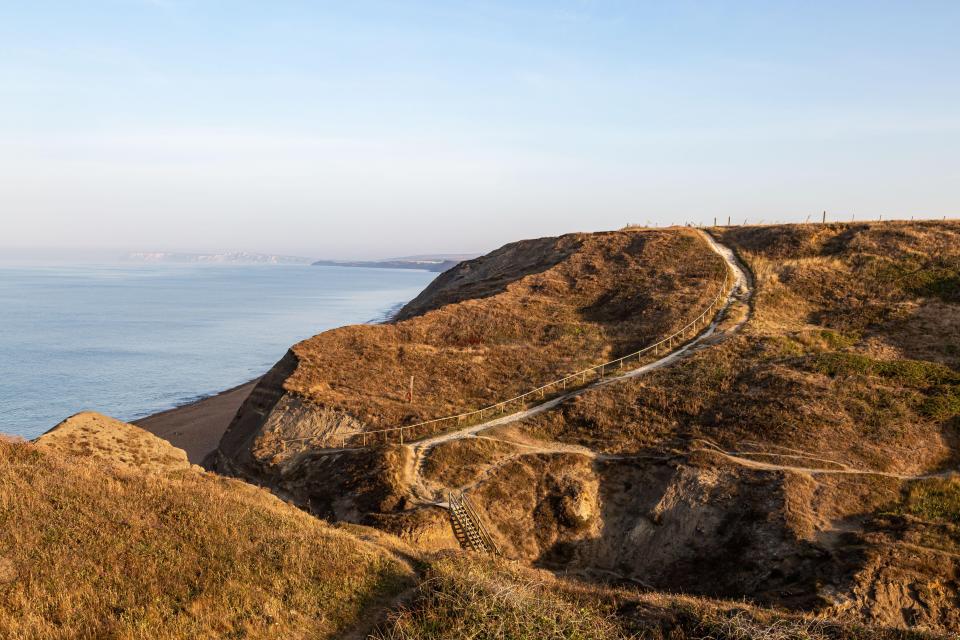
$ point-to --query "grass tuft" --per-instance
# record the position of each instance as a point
(936, 499)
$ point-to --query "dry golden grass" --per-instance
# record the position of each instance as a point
(850, 359)
(498, 326)
(110, 441)
(854, 277)
(93, 550)
(468, 596)
(934, 499)
(824, 365)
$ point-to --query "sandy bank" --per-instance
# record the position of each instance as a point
(197, 427)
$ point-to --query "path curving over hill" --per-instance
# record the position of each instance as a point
(488, 329)
(720, 327)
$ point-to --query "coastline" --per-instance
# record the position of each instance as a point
(196, 427)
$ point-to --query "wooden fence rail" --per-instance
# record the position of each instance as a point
(572, 381)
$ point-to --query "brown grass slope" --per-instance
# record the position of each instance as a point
(466, 596)
(841, 355)
(484, 331)
(720, 477)
(112, 442)
(92, 548)
(801, 462)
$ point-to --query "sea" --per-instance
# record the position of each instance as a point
(131, 339)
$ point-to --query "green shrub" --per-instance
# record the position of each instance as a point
(785, 346)
(837, 340)
(939, 279)
(934, 499)
(910, 372)
(943, 283)
(944, 405)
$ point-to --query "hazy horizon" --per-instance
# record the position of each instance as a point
(94, 255)
(377, 129)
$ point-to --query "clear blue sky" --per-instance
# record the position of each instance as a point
(377, 128)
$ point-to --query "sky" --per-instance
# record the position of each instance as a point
(372, 129)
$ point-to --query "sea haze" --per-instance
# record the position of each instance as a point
(130, 340)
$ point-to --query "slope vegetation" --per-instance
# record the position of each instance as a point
(473, 597)
(129, 541)
(804, 461)
(486, 330)
(801, 456)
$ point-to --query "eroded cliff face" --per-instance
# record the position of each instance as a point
(699, 523)
(669, 522)
(775, 464)
(486, 329)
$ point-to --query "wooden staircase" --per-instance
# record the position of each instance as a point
(467, 526)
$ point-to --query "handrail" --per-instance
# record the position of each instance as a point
(541, 390)
(457, 502)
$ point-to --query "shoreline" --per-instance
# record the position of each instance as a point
(197, 426)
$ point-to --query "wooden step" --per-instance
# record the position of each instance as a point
(467, 527)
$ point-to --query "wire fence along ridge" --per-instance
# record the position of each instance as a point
(572, 381)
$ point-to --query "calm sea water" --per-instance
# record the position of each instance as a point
(131, 340)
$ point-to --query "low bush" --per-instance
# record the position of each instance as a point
(911, 372)
(936, 499)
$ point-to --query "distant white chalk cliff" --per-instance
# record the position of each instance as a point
(236, 257)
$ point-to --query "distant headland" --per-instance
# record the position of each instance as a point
(438, 263)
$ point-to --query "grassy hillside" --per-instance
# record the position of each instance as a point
(89, 549)
(486, 330)
(468, 596)
(794, 474)
(501, 324)
(786, 463)
(840, 358)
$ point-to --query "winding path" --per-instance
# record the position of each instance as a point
(741, 292)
